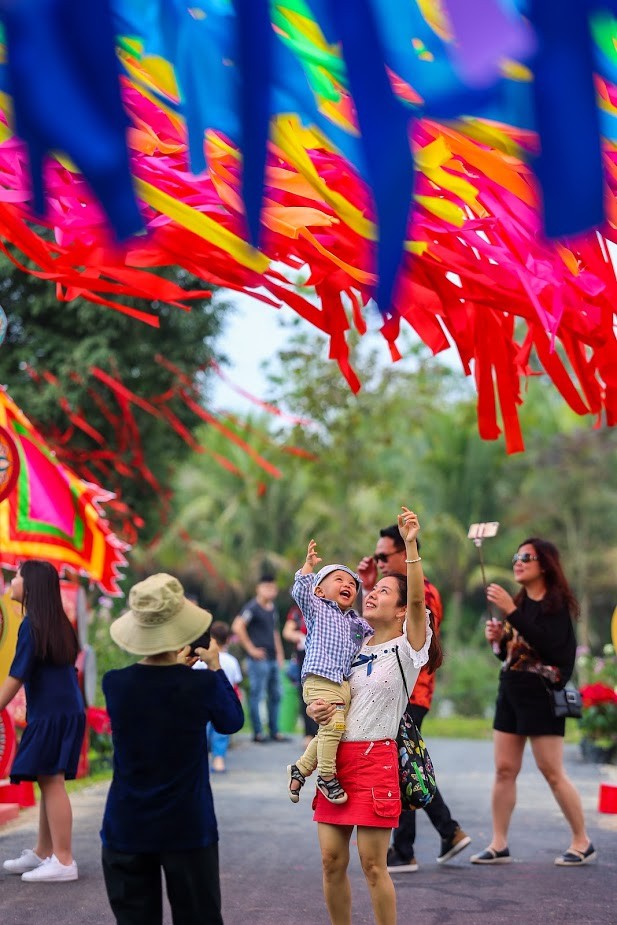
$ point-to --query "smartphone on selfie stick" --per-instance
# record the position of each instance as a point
(478, 533)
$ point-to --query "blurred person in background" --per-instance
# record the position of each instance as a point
(257, 629)
(218, 742)
(294, 631)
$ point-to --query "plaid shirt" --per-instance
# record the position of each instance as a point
(334, 637)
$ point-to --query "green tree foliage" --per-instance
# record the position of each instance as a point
(570, 487)
(67, 340)
(369, 445)
(228, 527)
(409, 436)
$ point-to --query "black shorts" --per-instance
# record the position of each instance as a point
(524, 706)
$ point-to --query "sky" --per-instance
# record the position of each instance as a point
(255, 334)
(252, 335)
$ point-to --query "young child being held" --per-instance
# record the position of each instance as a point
(335, 635)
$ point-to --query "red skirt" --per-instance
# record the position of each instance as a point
(368, 772)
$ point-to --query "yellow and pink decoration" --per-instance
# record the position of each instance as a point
(50, 513)
(46, 512)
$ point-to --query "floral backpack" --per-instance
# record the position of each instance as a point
(415, 768)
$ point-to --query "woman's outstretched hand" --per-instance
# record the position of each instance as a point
(408, 525)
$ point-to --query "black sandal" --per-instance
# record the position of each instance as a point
(331, 789)
(574, 858)
(294, 773)
(491, 856)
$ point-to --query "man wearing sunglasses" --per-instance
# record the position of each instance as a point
(388, 559)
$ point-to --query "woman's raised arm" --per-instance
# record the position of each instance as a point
(416, 609)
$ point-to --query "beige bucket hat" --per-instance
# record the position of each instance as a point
(160, 618)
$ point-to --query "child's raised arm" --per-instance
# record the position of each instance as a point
(302, 591)
(312, 559)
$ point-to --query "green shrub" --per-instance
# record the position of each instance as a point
(466, 682)
(108, 654)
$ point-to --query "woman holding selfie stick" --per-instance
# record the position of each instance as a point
(537, 645)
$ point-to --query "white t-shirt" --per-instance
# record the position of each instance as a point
(378, 697)
(229, 664)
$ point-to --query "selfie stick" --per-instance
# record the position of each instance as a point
(478, 533)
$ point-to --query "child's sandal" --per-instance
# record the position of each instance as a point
(332, 790)
(294, 773)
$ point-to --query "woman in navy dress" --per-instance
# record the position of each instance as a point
(50, 746)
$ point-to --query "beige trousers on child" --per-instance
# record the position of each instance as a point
(321, 752)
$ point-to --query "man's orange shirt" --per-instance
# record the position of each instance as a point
(422, 693)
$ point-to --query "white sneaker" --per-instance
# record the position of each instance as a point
(51, 870)
(27, 860)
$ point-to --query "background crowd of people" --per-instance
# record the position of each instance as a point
(386, 617)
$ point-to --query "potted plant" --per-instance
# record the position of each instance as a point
(599, 721)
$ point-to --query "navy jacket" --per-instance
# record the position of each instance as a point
(160, 797)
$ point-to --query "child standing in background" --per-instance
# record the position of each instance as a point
(218, 743)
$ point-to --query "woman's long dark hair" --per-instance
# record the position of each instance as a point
(559, 594)
(435, 653)
(55, 641)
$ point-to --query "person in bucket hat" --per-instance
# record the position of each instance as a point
(160, 618)
(335, 635)
(159, 811)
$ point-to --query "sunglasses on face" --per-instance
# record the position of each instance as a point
(384, 556)
(523, 557)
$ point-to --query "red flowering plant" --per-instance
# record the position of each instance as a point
(599, 721)
(101, 748)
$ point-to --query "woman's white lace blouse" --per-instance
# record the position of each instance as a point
(378, 697)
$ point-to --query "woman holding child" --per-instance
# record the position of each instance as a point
(367, 760)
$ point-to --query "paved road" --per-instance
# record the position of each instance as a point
(270, 860)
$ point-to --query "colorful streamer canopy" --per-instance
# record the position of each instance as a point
(477, 272)
(51, 514)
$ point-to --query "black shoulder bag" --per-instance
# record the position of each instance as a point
(415, 768)
(566, 702)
